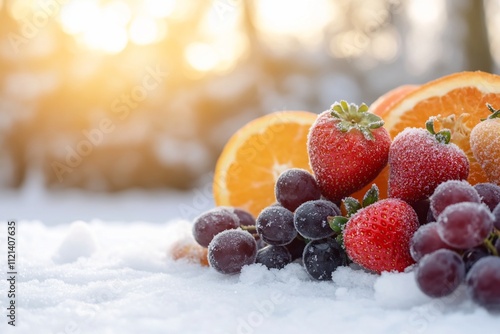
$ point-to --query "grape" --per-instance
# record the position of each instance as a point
(212, 222)
(465, 225)
(439, 273)
(322, 257)
(471, 256)
(246, 218)
(311, 219)
(483, 282)
(496, 215)
(497, 245)
(296, 186)
(451, 192)
(275, 226)
(296, 247)
(230, 250)
(274, 257)
(489, 193)
(425, 241)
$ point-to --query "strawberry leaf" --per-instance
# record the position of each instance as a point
(371, 196)
(351, 205)
(337, 223)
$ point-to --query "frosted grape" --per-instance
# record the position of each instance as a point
(452, 192)
(311, 219)
(275, 226)
(439, 273)
(425, 241)
(230, 250)
(496, 216)
(465, 225)
(294, 187)
(483, 282)
(471, 256)
(489, 193)
(274, 256)
(209, 224)
(322, 257)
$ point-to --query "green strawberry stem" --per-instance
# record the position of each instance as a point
(494, 113)
(353, 117)
(443, 136)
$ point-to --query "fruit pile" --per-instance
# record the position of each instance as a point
(319, 204)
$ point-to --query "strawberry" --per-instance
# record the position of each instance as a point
(485, 145)
(348, 148)
(378, 236)
(420, 159)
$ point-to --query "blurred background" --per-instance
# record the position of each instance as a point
(110, 95)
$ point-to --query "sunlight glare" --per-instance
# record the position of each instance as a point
(76, 16)
(159, 8)
(298, 18)
(201, 56)
(144, 30)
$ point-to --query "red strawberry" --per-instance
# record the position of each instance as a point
(420, 159)
(348, 148)
(378, 236)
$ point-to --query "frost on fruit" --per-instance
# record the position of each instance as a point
(419, 163)
(465, 225)
(230, 250)
(452, 192)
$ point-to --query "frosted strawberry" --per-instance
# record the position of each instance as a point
(348, 148)
(378, 236)
(420, 159)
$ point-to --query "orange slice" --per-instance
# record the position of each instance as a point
(386, 101)
(256, 155)
(460, 102)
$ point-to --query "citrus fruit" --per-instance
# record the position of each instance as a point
(384, 102)
(254, 157)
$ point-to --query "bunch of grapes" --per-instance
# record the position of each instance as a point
(462, 245)
(294, 228)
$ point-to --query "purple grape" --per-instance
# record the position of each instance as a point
(276, 257)
(465, 225)
(497, 245)
(322, 257)
(439, 273)
(230, 250)
(311, 219)
(275, 226)
(496, 215)
(425, 241)
(471, 256)
(296, 186)
(483, 282)
(209, 224)
(489, 193)
(452, 192)
(296, 247)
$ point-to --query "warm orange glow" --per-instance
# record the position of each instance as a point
(144, 30)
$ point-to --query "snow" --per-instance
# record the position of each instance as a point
(91, 264)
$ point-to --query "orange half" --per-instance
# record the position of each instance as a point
(254, 157)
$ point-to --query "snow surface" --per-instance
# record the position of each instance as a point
(111, 273)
